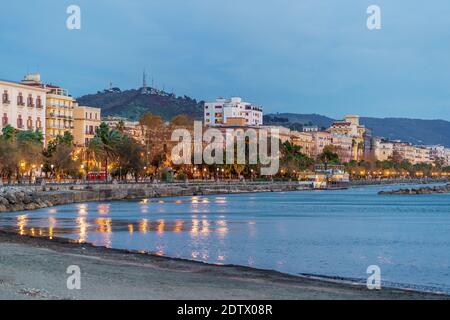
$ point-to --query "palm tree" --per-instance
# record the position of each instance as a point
(104, 144)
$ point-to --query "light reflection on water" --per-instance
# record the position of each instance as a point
(337, 233)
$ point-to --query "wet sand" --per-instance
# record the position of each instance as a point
(35, 268)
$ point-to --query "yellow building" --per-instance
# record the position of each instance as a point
(306, 141)
(59, 115)
(86, 122)
(350, 127)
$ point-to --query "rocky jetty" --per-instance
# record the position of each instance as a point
(18, 199)
(424, 190)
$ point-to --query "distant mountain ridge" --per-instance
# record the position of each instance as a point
(416, 131)
(132, 104)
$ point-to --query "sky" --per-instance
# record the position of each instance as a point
(299, 56)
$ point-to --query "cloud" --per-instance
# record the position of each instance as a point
(296, 56)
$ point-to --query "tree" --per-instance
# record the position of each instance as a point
(66, 139)
(63, 163)
(156, 135)
(8, 132)
(20, 152)
(182, 120)
(292, 160)
(328, 156)
(104, 144)
(130, 160)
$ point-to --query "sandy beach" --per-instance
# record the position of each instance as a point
(35, 268)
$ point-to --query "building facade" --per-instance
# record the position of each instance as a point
(383, 150)
(343, 146)
(132, 128)
(59, 116)
(351, 127)
(59, 107)
(23, 107)
(86, 122)
(305, 141)
(232, 112)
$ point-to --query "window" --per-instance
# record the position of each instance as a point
(30, 102)
(5, 97)
(19, 121)
(29, 123)
(38, 102)
(20, 99)
(5, 119)
(38, 123)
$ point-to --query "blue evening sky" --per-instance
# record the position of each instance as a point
(302, 56)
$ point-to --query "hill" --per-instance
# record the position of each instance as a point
(132, 104)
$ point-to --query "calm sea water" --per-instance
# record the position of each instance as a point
(329, 233)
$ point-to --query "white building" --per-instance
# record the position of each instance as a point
(383, 149)
(232, 112)
(22, 106)
(440, 153)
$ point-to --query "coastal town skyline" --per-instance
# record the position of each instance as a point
(368, 73)
(224, 155)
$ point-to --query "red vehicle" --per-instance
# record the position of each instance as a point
(96, 176)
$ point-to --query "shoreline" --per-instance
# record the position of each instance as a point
(24, 198)
(215, 281)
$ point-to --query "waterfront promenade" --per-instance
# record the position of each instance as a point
(31, 197)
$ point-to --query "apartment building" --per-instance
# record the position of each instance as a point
(132, 128)
(305, 140)
(422, 155)
(343, 146)
(232, 112)
(351, 127)
(59, 107)
(22, 106)
(86, 122)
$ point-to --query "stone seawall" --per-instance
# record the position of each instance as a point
(36, 197)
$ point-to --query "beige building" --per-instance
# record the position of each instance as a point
(351, 127)
(305, 140)
(86, 122)
(22, 106)
(405, 151)
(132, 128)
(343, 146)
(321, 140)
